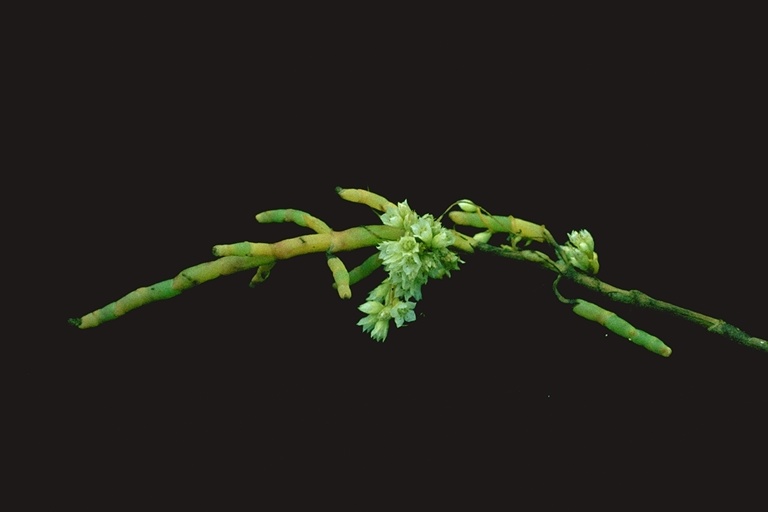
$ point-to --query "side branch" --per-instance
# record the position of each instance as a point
(247, 255)
(633, 297)
(500, 224)
(638, 298)
(335, 241)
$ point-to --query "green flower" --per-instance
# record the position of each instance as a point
(379, 313)
(380, 293)
(403, 261)
(420, 254)
(582, 240)
(581, 251)
(432, 233)
(399, 217)
(401, 256)
(402, 311)
(443, 239)
(439, 264)
(483, 236)
(422, 229)
(467, 205)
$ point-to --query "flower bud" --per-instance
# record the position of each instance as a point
(483, 236)
(581, 251)
(467, 206)
(582, 240)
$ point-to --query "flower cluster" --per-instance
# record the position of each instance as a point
(381, 307)
(580, 251)
(421, 253)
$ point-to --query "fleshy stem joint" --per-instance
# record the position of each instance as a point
(576, 261)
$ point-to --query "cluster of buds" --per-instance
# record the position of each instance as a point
(580, 251)
(420, 254)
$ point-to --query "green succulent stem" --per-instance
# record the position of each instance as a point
(237, 257)
(632, 297)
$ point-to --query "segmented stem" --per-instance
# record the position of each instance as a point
(167, 289)
(356, 195)
(618, 325)
(298, 217)
(500, 224)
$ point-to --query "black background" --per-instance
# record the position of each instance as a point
(168, 139)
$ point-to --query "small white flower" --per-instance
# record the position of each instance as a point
(380, 313)
(582, 240)
(422, 229)
(371, 307)
(402, 311)
(379, 294)
(380, 330)
(421, 253)
(401, 258)
(377, 320)
(443, 239)
(400, 216)
(581, 251)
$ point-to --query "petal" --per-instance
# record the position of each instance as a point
(371, 307)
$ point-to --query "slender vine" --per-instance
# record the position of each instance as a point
(412, 249)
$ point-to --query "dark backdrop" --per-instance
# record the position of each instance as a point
(165, 148)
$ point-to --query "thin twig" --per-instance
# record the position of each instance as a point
(633, 297)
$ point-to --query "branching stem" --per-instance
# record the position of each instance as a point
(632, 297)
(241, 256)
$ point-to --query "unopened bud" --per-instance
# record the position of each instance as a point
(467, 206)
(483, 236)
(581, 251)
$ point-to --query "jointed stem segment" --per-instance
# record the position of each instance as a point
(500, 224)
(365, 269)
(340, 276)
(616, 324)
(335, 241)
(298, 217)
(365, 197)
(168, 289)
(241, 256)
